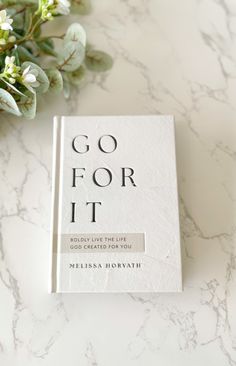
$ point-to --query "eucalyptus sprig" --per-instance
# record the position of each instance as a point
(23, 48)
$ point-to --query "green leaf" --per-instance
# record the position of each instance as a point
(18, 21)
(78, 76)
(8, 103)
(12, 87)
(88, 47)
(2, 61)
(66, 87)
(98, 61)
(71, 56)
(27, 19)
(26, 55)
(55, 80)
(16, 54)
(73, 52)
(75, 33)
(7, 3)
(47, 46)
(27, 105)
(41, 78)
(82, 7)
(18, 2)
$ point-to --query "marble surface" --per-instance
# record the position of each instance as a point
(172, 57)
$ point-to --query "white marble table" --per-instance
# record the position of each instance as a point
(172, 57)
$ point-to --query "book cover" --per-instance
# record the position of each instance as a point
(115, 220)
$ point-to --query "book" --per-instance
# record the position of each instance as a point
(115, 219)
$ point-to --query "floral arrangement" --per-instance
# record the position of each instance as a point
(23, 51)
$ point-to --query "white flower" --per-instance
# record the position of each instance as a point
(5, 21)
(11, 71)
(62, 7)
(9, 60)
(29, 78)
(54, 7)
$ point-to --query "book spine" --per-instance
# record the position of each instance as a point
(179, 253)
(55, 204)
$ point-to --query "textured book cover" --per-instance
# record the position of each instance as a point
(115, 221)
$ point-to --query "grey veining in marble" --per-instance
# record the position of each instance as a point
(171, 57)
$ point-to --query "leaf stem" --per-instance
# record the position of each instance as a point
(49, 37)
(37, 23)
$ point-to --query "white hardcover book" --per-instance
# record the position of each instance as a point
(115, 220)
